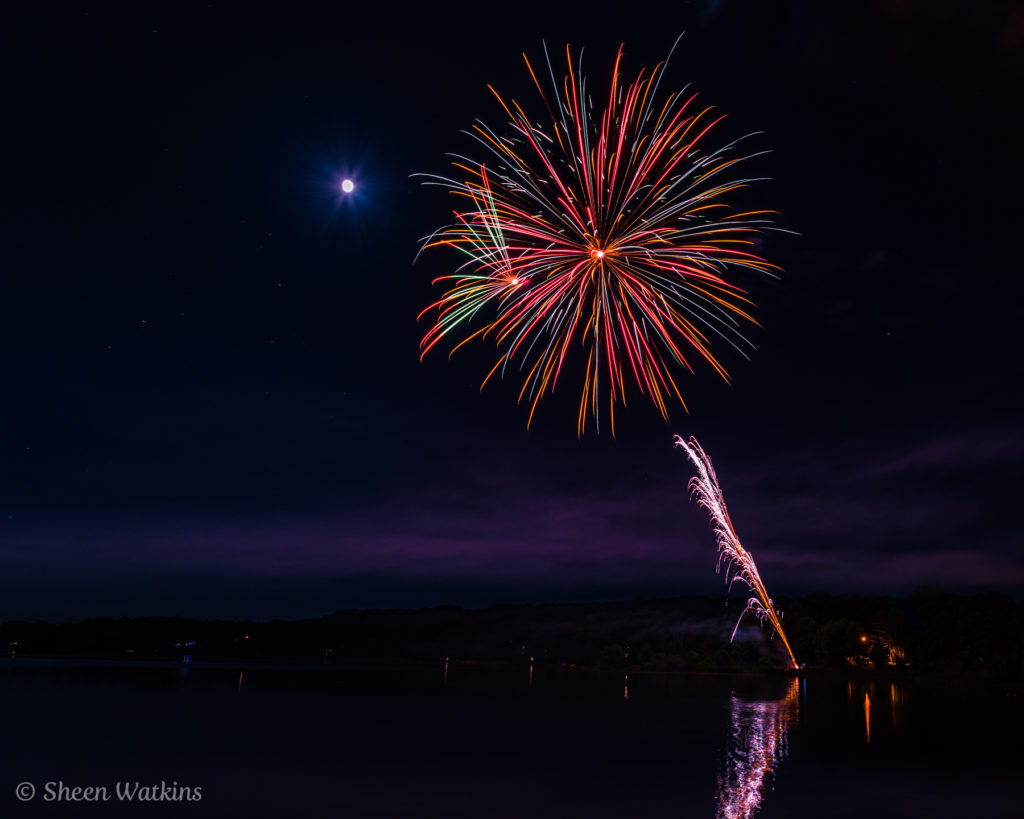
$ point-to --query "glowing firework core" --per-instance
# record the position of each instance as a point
(348, 186)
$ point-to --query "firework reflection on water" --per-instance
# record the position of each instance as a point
(758, 743)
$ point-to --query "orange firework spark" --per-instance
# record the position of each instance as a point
(604, 235)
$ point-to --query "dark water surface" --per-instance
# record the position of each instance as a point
(423, 742)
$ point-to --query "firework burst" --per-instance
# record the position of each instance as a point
(605, 233)
(738, 562)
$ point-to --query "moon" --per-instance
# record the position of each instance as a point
(347, 185)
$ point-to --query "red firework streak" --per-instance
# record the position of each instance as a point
(599, 238)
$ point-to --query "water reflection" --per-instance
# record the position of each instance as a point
(867, 703)
(756, 747)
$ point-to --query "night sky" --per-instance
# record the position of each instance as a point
(212, 398)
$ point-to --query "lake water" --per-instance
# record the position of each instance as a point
(483, 742)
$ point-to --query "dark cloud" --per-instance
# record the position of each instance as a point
(853, 515)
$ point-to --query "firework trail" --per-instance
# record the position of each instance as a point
(739, 563)
(599, 235)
